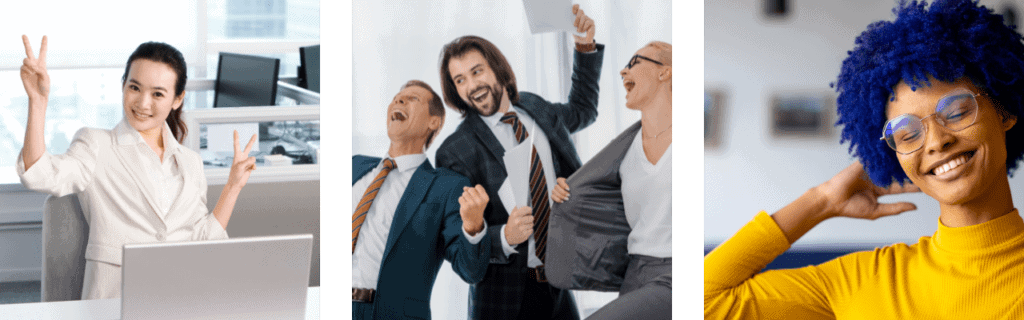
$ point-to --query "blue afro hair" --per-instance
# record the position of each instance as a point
(947, 41)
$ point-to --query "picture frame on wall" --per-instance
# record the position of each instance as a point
(802, 114)
(713, 116)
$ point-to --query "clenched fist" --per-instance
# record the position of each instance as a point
(471, 208)
(583, 24)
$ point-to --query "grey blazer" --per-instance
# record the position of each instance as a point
(588, 233)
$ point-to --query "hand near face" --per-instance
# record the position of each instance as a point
(471, 208)
(519, 226)
(242, 165)
(583, 23)
(850, 193)
(33, 72)
(561, 191)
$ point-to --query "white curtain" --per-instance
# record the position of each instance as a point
(397, 41)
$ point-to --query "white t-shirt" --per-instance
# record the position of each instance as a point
(647, 196)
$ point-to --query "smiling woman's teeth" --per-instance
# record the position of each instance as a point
(951, 164)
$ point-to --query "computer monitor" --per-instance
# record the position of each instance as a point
(246, 80)
(310, 68)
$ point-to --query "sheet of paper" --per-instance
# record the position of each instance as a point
(550, 15)
(517, 165)
(507, 197)
(220, 137)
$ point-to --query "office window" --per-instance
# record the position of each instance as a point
(263, 19)
(293, 142)
(85, 69)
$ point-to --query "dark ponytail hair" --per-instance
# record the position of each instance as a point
(165, 53)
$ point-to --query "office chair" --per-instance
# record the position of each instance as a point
(65, 235)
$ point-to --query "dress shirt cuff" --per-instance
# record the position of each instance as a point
(473, 240)
(586, 48)
(508, 249)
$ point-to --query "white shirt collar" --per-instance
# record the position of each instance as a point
(494, 120)
(127, 135)
(407, 162)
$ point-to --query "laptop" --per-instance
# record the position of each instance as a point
(240, 278)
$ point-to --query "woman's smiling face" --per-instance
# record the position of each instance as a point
(953, 167)
(148, 95)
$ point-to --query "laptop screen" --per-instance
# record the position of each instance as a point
(242, 278)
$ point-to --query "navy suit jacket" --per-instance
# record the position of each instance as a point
(426, 230)
(473, 151)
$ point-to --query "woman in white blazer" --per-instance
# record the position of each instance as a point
(136, 183)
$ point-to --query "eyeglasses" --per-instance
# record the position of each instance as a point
(634, 60)
(955, 111)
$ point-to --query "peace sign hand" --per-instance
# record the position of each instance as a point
(242, 165)
(33, 72)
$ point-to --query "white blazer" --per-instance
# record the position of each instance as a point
(118, 198)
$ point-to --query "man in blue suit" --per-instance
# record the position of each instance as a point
(477, 80)
(408, 216)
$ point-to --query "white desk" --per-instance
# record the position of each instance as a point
(106, 309)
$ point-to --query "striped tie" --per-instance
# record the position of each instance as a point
(359, 216)
(538, 188)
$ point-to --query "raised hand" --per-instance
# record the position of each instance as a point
(471, 208)
(519, 226)
(850, 193)
(33, 72)
(583, 23)
(561, 191)
(242, 165)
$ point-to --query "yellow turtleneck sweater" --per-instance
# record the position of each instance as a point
(974, 272)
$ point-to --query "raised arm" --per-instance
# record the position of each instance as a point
(446, 157)
(241, 167)
(733, 289)
(37, 85)
(849, 193)
(581, 110)
(469, 258)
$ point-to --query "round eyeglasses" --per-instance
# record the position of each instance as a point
(955, 111)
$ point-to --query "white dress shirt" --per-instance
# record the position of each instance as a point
(647, 196)
(506, 136)
(373, 235)
(165, 174)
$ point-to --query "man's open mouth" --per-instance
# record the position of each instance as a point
(398, 116)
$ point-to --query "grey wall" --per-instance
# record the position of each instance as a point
(278, 208)
(750, 58)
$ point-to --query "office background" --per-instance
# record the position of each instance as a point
(396, 41)
(89, 44)
(750, 57)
